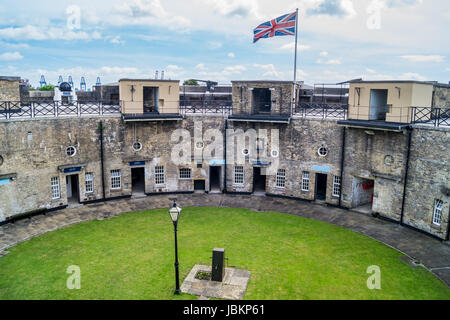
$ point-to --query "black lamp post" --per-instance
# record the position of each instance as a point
(175, 215)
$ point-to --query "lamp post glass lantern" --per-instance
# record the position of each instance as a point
(174, 213)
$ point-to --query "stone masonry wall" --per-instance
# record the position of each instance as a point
(281, 96)
(428, 180)
(9, 89)
(441, 96)
(35, 150)
(378, 156)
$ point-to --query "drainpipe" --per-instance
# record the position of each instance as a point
(408, 152)
(342, 165)
(101, 158)
(225, 158)
(448, 226)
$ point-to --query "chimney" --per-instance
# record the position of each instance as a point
(162, 75)
(156, 75)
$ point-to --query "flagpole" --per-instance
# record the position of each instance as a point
(295, 61)
(296, 36)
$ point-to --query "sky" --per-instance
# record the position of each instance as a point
(338, 40)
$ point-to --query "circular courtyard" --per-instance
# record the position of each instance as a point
(131, 256)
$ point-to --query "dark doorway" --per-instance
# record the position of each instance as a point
(214, 179)
(138, 180)
(72, 188)
(378, 104)
(321, 186)
(199, 185)
(262, 100)
(259, 180)
(150, 99)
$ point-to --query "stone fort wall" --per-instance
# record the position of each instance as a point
(35, 151)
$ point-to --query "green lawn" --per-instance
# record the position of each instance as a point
(131, 257)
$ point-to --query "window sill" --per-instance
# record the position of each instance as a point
(435, 226)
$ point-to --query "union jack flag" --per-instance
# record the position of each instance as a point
(281, 26)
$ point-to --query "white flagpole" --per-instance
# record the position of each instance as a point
(296, 36)
(295, 62)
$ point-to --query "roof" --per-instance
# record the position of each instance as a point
(263, 81)
(151, 117)
(148, 80)
(7, 78)
(394, 81)
(260, 118)
(374, 124)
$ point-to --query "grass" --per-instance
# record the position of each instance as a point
(131, 257)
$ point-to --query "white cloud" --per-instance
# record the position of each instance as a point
(333, 61)
(10, 56)
(323, 54)
(231, 55)
(290, 47)
(339, 8)
(269, 70)
(423, 58)
(412, 76)
(14, 46)
(214, 45)
(200, 66)
(232, 8)
(174, 67)
(30, 32)
(146, 12)
(370, 70)
(116, 40)
(330, 61)
(301, 73)
(234, 69)
(448, 69)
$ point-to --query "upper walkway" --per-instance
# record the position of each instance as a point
(419, 248)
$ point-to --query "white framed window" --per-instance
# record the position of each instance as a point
(137, 146)
(71, 151)
(89, 182)
(437, 214)
(281, 178)
(336, 186)
(116, 179)
(56, 191)
(323, 151)
(159, 175)
(305, 181)
(185, 173)
(239, 175)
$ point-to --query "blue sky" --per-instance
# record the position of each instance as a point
(212, 39)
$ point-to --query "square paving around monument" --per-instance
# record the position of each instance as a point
(233, 287)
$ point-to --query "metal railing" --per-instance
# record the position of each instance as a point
(312, 110)
(16, 110)
(206, 107)
(438, 117)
